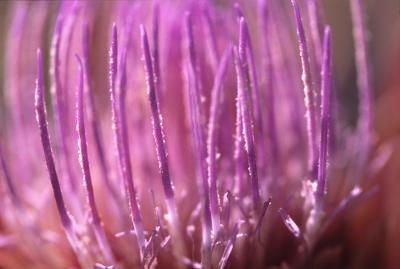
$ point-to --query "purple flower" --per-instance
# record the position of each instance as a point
(192, 151)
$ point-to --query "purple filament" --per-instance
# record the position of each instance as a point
(212, 136)
(247, 130)
(92, 116)
(158, 131)
(59, 105)
(121, 137)
(199, 144)
(41, 118)
(325, 114)
(84, 162)
(309, 94)
(363, 79)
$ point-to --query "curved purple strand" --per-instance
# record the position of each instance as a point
(82, 144)
(363, 79)
(194, 66)
(211, 40)
(315, 29)
(247, 130)
(212, 135)
(120, 135)
(199, 147)
(195, 120)
(68, 32)
(325, 114)
(156, 46)
(92, 116)
(238, 150)
(247, 55)
(309, 93)
(84, 162)
(59, 105)
(41, 118)
(158, 131)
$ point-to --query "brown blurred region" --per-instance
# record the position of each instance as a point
(378, 224)
(387, 121)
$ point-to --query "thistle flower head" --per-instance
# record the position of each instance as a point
(190, 148)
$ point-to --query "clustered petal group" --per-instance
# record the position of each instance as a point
(213, 142)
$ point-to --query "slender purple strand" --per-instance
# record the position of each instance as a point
(194, 111)
(156, 47)
(59, 104)
(309, 94)
(363, 77)
(264, 208)
(120, 134)
(41, 118)
(70, 22)
(211, 40)
(194, 64)
(325, 113)
(226, 213)
(212, 136)
(247, 57)
(198, 143)
(283, 70)
(314, 22)
(157, 214)
(228, 248)
(158, 132)
(247, 130)
(238, 149)
(84, 162)
(92, 116)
